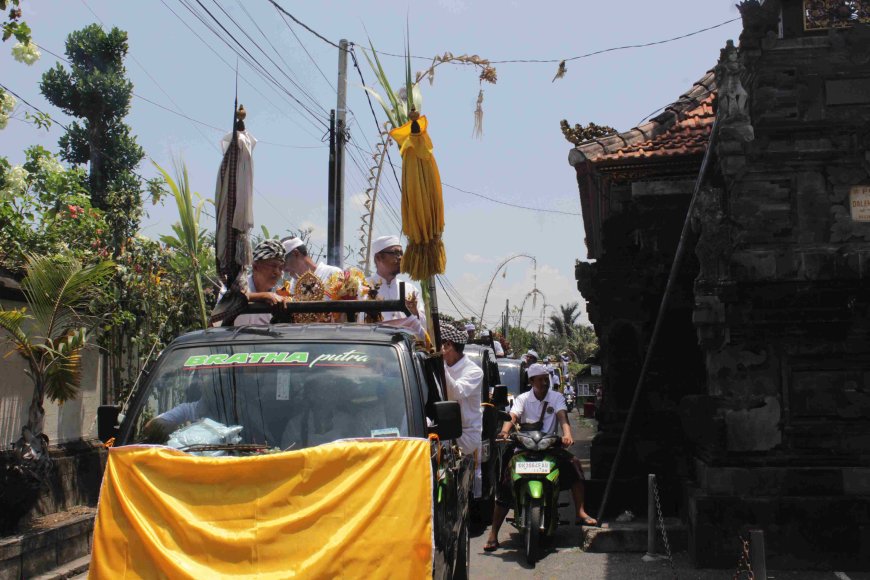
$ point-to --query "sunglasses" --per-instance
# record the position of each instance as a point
(396, 253)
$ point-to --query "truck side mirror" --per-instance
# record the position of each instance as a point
(448, 420)
(107, 422)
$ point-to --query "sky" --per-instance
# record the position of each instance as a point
(522, 158)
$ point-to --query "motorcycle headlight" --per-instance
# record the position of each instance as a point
(547, 442)
(526, 441)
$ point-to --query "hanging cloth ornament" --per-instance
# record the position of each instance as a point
(422, 202)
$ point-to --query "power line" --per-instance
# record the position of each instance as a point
(247, 52)
(303, 25)
(277, 66)
(509, 204)
(580, 56)
(290, 28)
(255, 66)
(525, 60)
(183, 115)
(222, 59)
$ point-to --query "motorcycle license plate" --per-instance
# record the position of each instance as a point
(541, 467)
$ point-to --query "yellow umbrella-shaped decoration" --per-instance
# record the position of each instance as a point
(422, 202)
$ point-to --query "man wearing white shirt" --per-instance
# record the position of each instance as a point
(547, 406)
(464, 382)
(298, 262)
(388, 253)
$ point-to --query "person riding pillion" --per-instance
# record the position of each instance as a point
(464, 381)
(548, 406)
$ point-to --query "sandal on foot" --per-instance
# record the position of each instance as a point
(491, 546)
(587, 521)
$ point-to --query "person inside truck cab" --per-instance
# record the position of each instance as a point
(464, 382)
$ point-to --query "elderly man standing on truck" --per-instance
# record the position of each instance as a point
(464, 380)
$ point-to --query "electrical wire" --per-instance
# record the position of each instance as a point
(580, 56)
(277, 66)
(303, 25)
(314, 115)
(255, 66)
(278, 109)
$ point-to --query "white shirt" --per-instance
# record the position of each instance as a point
(322, 271)
(528, 409)
(415, 323)
(464, 380)
(246, 319)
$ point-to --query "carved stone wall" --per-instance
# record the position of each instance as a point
(782, 305)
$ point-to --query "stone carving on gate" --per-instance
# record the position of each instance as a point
(733, 105)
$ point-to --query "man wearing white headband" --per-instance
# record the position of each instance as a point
(547, 406)
(387, 251)
(297, 262)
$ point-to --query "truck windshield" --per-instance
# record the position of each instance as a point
(283, 396)
(509, 371)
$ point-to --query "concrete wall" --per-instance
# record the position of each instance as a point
(73, 420)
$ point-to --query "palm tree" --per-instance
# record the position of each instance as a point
(563, 324)
(58, 290)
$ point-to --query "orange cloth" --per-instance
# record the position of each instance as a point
(352, 509)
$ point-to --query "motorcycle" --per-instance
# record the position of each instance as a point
(569, 402)
(535, 487)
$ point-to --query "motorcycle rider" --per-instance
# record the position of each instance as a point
(541, 404)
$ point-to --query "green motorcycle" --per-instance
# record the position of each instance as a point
(535, 485)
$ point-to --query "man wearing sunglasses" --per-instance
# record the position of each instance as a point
(388, 263)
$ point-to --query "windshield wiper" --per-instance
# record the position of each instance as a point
(243, 447)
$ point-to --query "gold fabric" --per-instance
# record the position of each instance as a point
(422, 202)
(349, 509)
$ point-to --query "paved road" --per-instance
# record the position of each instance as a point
(563, 558)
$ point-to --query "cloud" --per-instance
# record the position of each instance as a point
(473, 289)
(476, 259)
(453, 6)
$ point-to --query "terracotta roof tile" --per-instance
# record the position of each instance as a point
(683, 128)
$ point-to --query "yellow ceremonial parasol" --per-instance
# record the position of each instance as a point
(422, 202)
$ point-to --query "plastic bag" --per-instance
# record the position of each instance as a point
(205, 432)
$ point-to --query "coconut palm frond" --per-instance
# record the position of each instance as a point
(10, 321)
(389, 112)
(59, 289)
(388, 90)
(63, 373)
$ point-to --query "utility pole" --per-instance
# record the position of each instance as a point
(335, 233)
(330, 194)
(504, 326)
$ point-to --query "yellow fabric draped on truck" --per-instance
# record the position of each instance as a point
(355, 508)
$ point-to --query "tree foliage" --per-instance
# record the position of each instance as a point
(96, 90)
(60, 292)
(45, 209)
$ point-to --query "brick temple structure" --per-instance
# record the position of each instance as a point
(756, 409)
